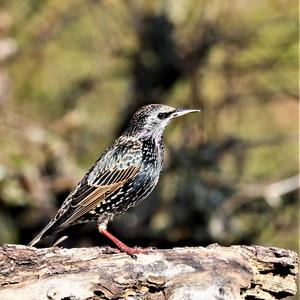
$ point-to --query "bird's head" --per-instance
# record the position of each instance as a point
(151, 120)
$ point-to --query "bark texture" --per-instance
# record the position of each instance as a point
(212, 273)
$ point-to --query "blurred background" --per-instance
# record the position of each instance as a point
(73, 72)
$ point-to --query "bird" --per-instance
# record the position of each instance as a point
(123, 176)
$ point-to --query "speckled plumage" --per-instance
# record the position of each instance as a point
(122, 177)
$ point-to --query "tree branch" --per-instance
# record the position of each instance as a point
(215, 272)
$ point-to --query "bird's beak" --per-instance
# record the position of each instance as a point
(180, 112)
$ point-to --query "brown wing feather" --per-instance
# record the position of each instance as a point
(116, 178)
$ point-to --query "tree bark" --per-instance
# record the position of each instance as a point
(215, 272)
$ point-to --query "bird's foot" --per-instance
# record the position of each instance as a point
(133, 251)
(122, 247)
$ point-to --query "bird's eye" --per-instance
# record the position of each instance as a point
(161, 115)
(164, 115)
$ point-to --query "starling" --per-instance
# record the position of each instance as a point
(121, 178)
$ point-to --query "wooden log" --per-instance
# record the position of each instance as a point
(215, 272)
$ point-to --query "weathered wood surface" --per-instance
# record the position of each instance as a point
(215, 272)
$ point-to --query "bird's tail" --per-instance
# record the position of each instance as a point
(42, 234)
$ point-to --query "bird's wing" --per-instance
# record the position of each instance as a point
(118, 165)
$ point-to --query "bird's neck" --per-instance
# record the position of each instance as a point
(145, 133)
(154, 137)
(146, 136)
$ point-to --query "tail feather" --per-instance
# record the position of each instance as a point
(42, 234)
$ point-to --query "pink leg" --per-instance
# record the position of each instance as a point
(120, 245)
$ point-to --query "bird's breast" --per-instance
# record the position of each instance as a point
(152, 152)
